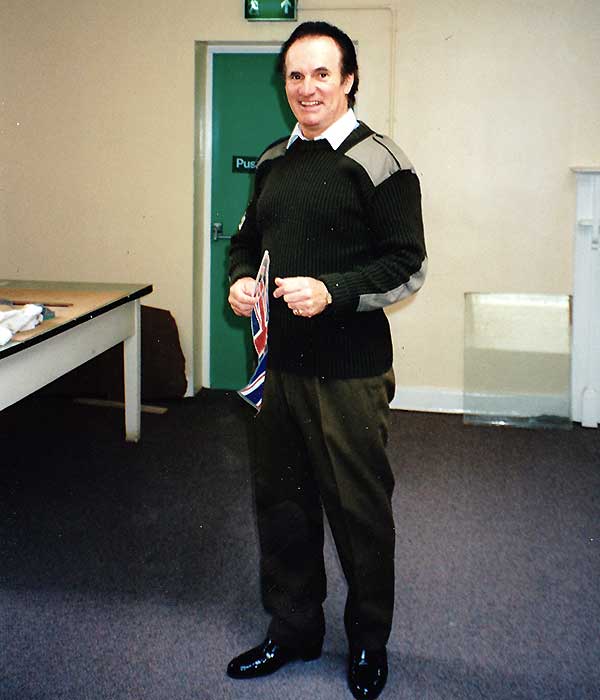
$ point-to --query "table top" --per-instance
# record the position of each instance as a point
(73, 303)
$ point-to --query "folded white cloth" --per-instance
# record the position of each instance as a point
(24, 319)
(5, 335)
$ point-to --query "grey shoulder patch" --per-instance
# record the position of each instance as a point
(380, 157)
(275, 151)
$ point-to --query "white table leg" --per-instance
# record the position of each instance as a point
(132, 351)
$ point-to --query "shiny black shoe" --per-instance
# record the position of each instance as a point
(367, 673)
(267, 658)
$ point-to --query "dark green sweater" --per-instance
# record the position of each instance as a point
(350, 217)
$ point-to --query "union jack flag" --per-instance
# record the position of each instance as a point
(259, 323)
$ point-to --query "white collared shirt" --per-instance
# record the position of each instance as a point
(336, 134)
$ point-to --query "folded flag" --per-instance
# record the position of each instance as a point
(259, 323)
(253, 391)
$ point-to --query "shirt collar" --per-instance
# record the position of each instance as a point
(336, 134)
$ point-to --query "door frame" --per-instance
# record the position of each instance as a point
(203, 195)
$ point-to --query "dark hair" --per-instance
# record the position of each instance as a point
(349, 63)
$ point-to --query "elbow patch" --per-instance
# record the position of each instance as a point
(371, 302)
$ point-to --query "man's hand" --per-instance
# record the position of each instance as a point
(241, 296)
(305, 296)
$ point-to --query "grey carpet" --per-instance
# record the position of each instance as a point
(129, 572)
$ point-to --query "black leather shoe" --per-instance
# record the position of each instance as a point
(267, 658)
(367, 673)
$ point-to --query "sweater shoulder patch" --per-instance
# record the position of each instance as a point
(276, 150)
(380, 157)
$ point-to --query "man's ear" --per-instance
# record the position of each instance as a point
(348, 82)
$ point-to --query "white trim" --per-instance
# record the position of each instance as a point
(437, 400)
(205, 228)
(585, 366)
(430, 399)
(207, 196)
(520, 405)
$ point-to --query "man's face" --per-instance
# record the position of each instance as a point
(313, 83)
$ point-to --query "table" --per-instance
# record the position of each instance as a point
(89, 319)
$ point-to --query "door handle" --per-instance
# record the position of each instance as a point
(217, 232)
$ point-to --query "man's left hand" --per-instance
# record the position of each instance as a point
(305, 296)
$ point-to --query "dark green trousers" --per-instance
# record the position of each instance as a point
(321, 444)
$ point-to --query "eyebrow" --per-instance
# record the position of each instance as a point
(321, 69)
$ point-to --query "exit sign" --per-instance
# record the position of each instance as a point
(270, 10)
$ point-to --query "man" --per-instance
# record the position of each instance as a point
(338, 208)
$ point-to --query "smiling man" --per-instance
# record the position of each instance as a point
(338, 207)
(316, 90)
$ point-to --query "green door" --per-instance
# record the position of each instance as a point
(249, 112)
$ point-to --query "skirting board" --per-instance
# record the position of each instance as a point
(436, 400)
(430, 399)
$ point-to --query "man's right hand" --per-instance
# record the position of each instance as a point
(241, 296)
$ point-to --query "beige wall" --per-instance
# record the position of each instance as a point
(493, 101)
(500, 99)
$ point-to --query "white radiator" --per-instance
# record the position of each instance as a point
(585, 366)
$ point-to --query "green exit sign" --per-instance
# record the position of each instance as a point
(270, 10)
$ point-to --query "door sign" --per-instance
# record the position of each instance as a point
(243, 164)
